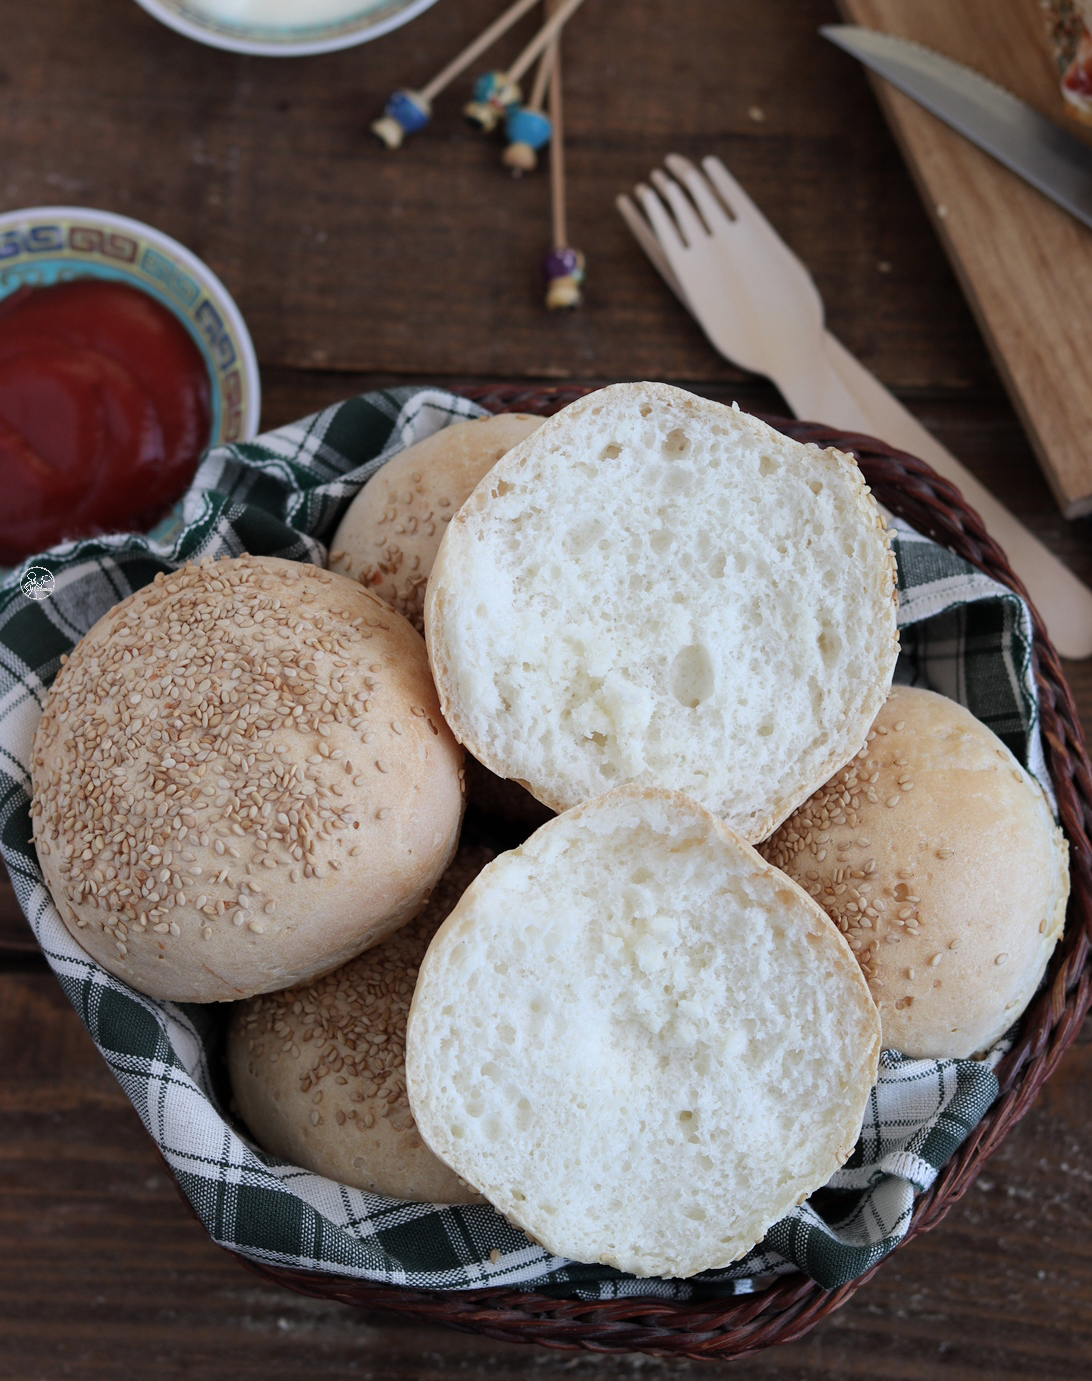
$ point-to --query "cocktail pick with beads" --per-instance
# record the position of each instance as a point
(407, 111)
(496, 92)
(563, 266)
(527, 128)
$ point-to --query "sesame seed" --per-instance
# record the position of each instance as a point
(1001, 959)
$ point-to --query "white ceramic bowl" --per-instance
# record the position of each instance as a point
(367, 19)
(52, 244)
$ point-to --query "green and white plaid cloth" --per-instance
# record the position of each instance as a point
(282, 495)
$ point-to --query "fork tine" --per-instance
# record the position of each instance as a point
(663, 226)
(735, 198)
(642, 233)
(690, 223)
(710, 206)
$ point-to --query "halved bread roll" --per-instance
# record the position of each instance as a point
(659, 589)
(639, 1041)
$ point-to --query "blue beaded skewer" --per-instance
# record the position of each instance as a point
(501, 89)
(407, 110)
(494, 95)
(528, 127)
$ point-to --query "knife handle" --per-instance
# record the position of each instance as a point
(1064, 602)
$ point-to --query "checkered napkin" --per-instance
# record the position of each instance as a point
(282, 495)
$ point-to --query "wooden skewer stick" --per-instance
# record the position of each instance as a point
(545, 36)
(475, 49)
(407, 111)
(563, 266)
(496, 92)
(542, 76)
(558, 208)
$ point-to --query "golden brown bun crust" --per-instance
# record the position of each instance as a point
(315, 1086)
(389, 537)
(936, 855)
(242, 779)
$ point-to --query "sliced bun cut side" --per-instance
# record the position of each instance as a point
(937, 856)
(638, 1041)
(657, 589)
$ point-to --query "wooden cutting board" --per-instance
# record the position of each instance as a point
(1024, 263)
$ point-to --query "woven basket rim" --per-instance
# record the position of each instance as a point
(740, 1326)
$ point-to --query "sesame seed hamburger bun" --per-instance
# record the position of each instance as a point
(658, 589)
(936, 855)
(319, 1072)
(390, 534)
(242, 779)
(639, 1041)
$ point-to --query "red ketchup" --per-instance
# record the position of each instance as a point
(104, 411)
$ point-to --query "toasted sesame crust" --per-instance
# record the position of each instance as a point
(241, 779)
(318, 1070)
(390, 534)
(935, 854)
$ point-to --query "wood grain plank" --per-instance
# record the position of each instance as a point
(345, 256)
(104, 1273)
(1024, 263)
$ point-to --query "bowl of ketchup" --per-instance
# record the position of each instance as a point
(122, 358)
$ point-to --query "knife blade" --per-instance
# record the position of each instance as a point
(1022, 139)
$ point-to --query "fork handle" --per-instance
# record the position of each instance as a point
(1063, 601)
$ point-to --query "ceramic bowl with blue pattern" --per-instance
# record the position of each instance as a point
(53, 244)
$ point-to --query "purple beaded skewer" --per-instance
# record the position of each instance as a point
(562, 266)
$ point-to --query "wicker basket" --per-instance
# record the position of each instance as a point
(794, 1304)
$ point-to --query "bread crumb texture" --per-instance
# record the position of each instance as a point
(936, 855)
(241, 779)
(642, 1044)
(659, 589)
(318, 1071)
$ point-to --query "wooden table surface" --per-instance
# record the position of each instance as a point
(355, 267)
